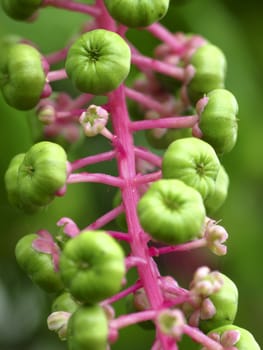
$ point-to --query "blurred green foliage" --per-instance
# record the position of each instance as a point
(236, 27)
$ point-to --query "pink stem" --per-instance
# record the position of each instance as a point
(158, 66)
(127, 320)
(143, 179)
(146, 101)
(199, 243)
(201, 338)
(165, 36)
(126, 166)
(56, 75)
(95, 177)
(119, 235)
(81, 163)
(148, 156)
(169, 123)
(80, 101)
(57, 56)
(105, 219)
(123, 293)
(73, 6)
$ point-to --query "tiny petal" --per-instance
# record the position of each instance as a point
(69, 226)
(230, 338)
(94, 120)
(171, 322)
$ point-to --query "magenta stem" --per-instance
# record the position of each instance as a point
(145, 62)
(201, 338)
(137, 285)
(167, 123)
(119, 235)
(106, 218)
(199, 243)
(126, 165)
(146, 101)
(148, 156)
(127, 320)
(56, 75)
(83, 162)
(165, 36)
(72, 6)
(57, 56)
(143, 179)
(95, 177)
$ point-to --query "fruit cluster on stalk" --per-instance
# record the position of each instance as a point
(163, 204)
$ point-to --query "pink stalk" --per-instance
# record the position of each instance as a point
(199, 243)
(148, 156)
(101, 157)
(165, 36)
(80, 101)
(144, 100)
(127, 172)
(119, 235)
(72, 6)
(169, 123)
(201, 338)
(106, 218)
(57, 56)
(130, 319)
(123, 293)
(144, 179)
(95, 177)
(158, 66)
(56, 75)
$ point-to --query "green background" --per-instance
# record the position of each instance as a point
(236, 27)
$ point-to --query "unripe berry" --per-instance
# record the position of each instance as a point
(210, 68)
(22, 77)
(38, 266)
(42, 173)
(194, 162)
(88, 329)
(92, 266)
(20, 9)
(171, 212)
(98, 62)
(245, 340)
(214, 201)
(225, 301)
(218, 121)
(137, 13)
(64, 302)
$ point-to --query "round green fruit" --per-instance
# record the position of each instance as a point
(218, 121)
(171, 212)
(42, 173)
(226, 304)
(210, 69)
(92, 266)
(194, 162)
(20, 9)
(64, 302)
(88, 329)
(137, 13)
(214, 201)
(246, 340)
(98, 62)
(22, 77)
(37, 265)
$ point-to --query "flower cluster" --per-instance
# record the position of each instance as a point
(163, 203)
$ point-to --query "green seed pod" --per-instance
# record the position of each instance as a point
(210, 69)
(217, 198)
(218, 121)
(92, 266)
(171, 212)
(246, 340)
(20, 9)
(38, 266)
(22, 77)
(42, 173)
(98, 62)
(88, 329)
(194, 162)
(226, 302)
(161, 139)
(11, 184)
(64, 302)
(137, 13)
